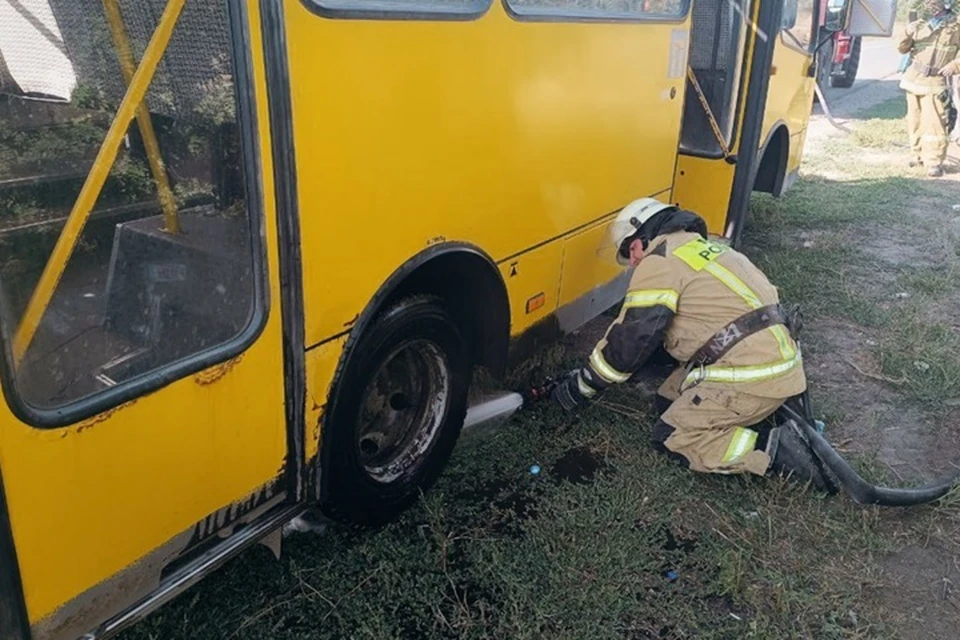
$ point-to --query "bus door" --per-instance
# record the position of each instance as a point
(731, 49)
(144, 413)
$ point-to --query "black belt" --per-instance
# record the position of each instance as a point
(746, 325)
(925, 70)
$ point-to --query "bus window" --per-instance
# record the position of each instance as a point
(715, 43)
(629, 9)
(162, 269)
(798, 23)
(424, 8)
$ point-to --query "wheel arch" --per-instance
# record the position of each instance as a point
(469, 280)
(463, 275)
(774, 155)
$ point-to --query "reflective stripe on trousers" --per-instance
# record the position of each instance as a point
(742, 442)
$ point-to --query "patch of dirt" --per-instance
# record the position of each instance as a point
(922, 590)
(911, 443)
(676, 542)
(900, 245)
(578, 465)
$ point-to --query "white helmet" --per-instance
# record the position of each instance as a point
(628, 222)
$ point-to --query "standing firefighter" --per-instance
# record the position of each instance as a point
(712, 309)
(934, 47)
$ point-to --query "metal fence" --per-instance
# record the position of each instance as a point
(195, 74)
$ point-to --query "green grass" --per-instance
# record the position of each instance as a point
(495, 552)
(924, 356)
(882, 135)
(882, 126)
(818, 203)
(892, 109)
(931, 281)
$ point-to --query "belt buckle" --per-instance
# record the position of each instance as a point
(698, 378)
(701, 375)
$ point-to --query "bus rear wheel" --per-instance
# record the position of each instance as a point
(401, 401)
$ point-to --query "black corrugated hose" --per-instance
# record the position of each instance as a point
(859, 489)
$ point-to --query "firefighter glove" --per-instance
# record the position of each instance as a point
(567, 392)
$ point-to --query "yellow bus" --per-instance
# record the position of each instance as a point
(254, 252)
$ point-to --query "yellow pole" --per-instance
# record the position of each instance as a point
(128, 65)
(93, 185)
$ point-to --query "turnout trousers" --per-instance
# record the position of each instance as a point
(709, 426)
(927, 128)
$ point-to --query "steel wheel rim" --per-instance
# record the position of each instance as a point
(402, 410)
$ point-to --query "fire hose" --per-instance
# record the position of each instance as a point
(861, 491)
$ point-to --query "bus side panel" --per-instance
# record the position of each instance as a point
(703, 185)
(500, 133)
(532, 286)
(588, 265)
(790, 97)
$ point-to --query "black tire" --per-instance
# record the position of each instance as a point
(850, 67)
(400, 402)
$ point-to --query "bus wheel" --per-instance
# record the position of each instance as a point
(400, 405)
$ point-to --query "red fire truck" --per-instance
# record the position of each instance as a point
(839, 57)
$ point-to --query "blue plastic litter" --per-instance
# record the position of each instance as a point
(535, 470)
(672, 575)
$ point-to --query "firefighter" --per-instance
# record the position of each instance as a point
(713, 310)
(934, 49)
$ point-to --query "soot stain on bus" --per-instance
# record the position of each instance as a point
(217, 372)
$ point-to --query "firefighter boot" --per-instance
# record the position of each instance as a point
(791, 456)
